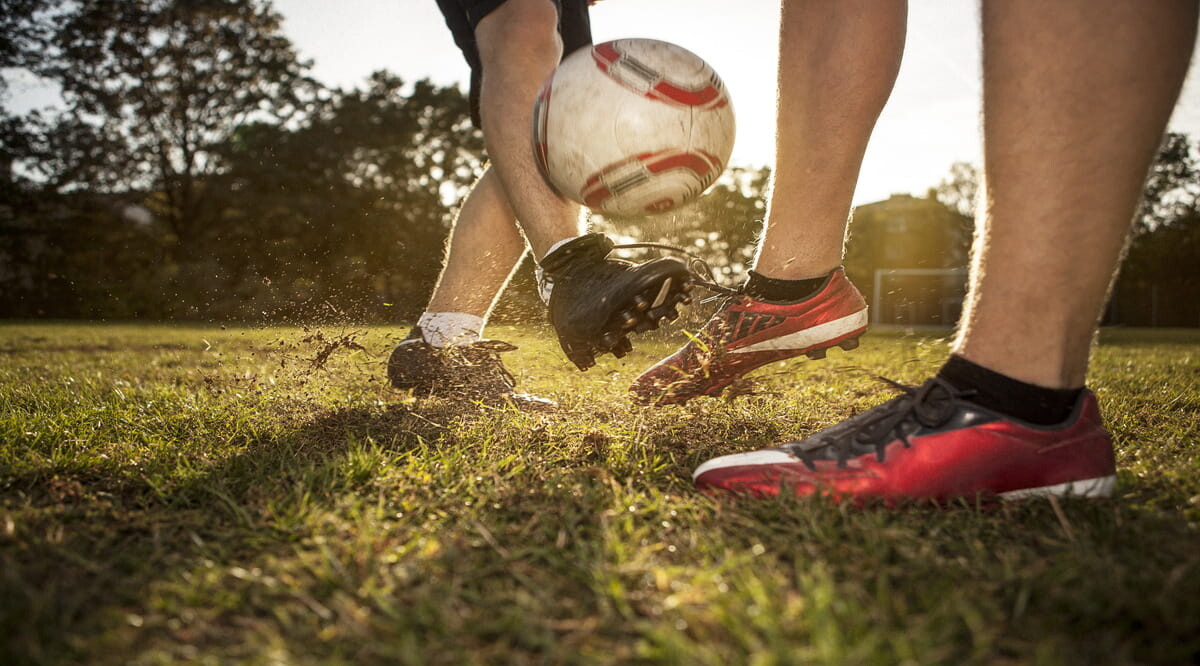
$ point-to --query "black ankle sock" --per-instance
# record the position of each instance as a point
(763, 288)
(1008, 396)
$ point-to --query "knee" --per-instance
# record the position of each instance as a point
(524, 29)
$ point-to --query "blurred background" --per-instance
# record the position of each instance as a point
(196, 160)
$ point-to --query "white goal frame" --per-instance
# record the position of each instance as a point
(881, 273)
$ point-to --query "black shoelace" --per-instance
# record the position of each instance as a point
(929, 405)
(702, 274)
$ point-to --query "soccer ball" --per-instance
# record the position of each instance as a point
(632, 126)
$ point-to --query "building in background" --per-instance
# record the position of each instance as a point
(909, 256)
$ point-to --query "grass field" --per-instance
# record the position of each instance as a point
(207, 495)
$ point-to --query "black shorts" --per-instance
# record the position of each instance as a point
(462, 16)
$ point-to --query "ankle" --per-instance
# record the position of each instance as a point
(783, 290)
(1008, 396)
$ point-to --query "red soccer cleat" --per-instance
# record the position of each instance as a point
(746, 334)
(930, 444)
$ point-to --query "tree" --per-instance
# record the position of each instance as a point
(24, 35)
(1159, 276)
(960, 189)
(349, 208)
(269, 193)
(1172, 186)
(153, 87)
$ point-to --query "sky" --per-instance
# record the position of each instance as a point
(931, 120)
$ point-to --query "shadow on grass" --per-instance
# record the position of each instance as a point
(92, 543)
(562, 558)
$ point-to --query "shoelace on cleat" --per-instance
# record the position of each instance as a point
(929, 405)
(702, 273)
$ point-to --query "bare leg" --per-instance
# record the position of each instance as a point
(1076, 96)
(837, 65)
(484, 249)
(519, 46)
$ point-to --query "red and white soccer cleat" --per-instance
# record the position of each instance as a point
(930, 443)
(746, 334)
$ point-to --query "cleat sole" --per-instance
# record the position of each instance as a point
(655, 304)
(715, 391)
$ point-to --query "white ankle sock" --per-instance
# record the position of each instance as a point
(443, 329)
(544, 285)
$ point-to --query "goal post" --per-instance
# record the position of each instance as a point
(920, 297)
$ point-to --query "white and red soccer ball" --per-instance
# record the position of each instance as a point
(633, 126)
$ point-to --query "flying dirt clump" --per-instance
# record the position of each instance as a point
(329, 345)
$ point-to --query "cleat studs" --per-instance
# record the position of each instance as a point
(663, 292)
(628, 320)
(623, 347)
(670, 315)
(608, 340)
(641, 303)
(687, 287)
(686, 300)
(583, 361)
(848, 344)
(581, 355)
(816, 354)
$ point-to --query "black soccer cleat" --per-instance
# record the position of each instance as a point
(472, 372)
(596, 301)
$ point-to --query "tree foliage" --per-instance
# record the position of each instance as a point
(959, 190)
(351, 206)
(25, 27)
(152, 88)
(1172, 186)
(1160, 276)
(195, 171)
